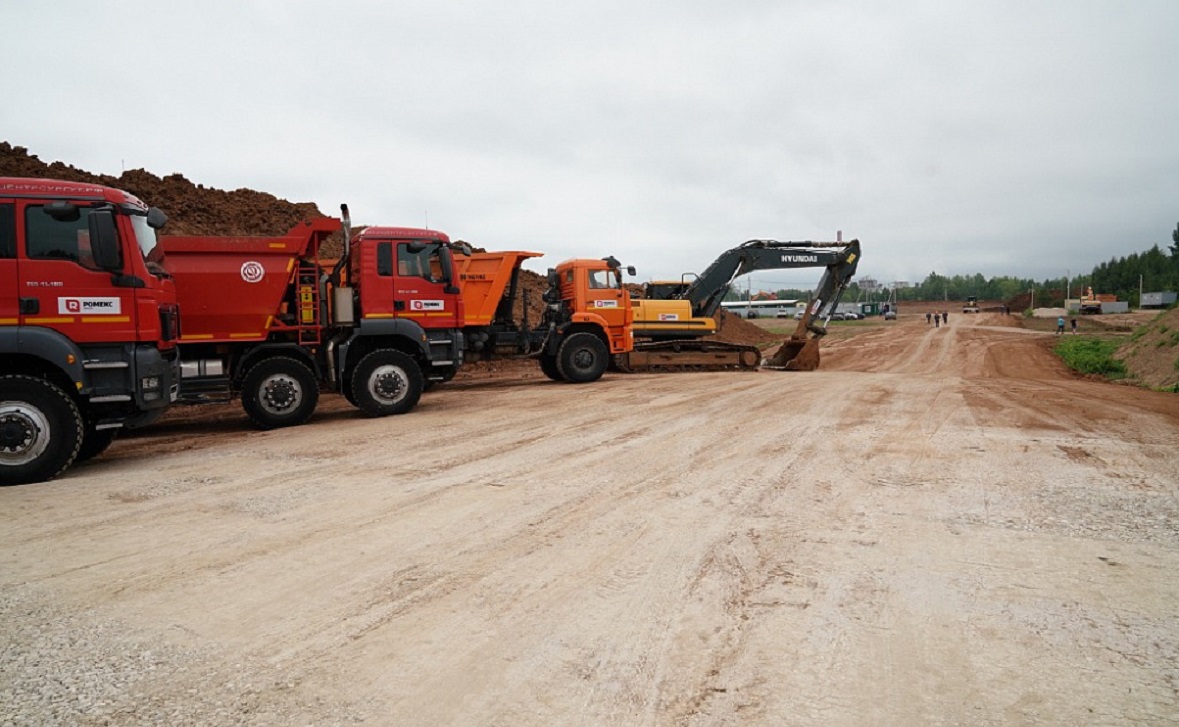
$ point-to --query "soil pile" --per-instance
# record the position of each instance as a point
(1152, 353)
(192, 209)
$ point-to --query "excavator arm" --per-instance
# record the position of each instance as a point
(707, 291)
(801, 351)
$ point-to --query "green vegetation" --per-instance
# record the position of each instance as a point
(1091, 356)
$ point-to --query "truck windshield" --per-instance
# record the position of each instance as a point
(601, 279)
(148, 243)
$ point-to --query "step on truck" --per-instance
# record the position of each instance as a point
(269, 321)
(88, 323)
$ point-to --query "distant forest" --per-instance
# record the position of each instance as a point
(1153, 270)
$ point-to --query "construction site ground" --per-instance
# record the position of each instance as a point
(939, 527)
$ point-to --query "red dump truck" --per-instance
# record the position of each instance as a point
(269, 321)
(88, 323)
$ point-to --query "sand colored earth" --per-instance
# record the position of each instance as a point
(940, 526)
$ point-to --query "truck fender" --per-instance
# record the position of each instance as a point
(48, 345)
(582, 317)
(412, 334)
(266, 350)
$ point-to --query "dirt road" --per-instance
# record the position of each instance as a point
(941, 526)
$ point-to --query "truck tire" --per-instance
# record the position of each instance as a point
(279, 392)
(95, 442)
(548, 366)
(386, 382)
(40, 430)
(582, 358)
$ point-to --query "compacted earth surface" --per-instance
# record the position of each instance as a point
(939, 526)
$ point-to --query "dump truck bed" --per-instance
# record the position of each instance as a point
(483, 279)
(240, 288)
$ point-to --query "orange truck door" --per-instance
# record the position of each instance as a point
(605, 296)
(63, 288)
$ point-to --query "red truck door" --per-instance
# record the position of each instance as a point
(62, 286)
(421, 283)
(9, 290)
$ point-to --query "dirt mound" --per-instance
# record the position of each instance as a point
(735, 329)
(1152, 353)
(193, 209)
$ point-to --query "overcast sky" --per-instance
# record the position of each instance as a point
(1007, 138)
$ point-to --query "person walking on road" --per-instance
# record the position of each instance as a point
(946, 317)
(1060, 326)
(1074, 322)
(927, 318)
(937, 320)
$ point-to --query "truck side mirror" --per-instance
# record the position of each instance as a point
(104, 241)
(447, 272)
(630, 270)
(156, 218)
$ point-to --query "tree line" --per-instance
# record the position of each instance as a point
(1153, 270)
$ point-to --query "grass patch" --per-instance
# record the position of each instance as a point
(1091, 356)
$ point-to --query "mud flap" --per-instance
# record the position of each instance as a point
(796, 355)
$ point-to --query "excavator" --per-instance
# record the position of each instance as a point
(673, 321)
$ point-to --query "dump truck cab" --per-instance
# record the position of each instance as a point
(88, 323)
(405, 285)
(591, 296)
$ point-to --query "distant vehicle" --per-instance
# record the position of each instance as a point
(851, 316)
(890, 315)
(971, 305)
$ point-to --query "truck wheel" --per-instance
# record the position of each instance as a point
(279, 392)
(40, 430)
(582, 358)
(386, 382)
(548, 366)
(95, 442)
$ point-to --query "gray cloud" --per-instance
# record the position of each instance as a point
(1002, 138)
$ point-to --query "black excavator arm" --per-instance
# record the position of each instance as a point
(707, 291)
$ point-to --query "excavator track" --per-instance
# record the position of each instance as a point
(688, 355)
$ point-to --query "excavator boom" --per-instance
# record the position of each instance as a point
(707, 291)
(800, 352)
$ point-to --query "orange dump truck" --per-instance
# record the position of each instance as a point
(587, 316)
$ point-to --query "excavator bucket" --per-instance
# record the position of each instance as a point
(796, 354)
